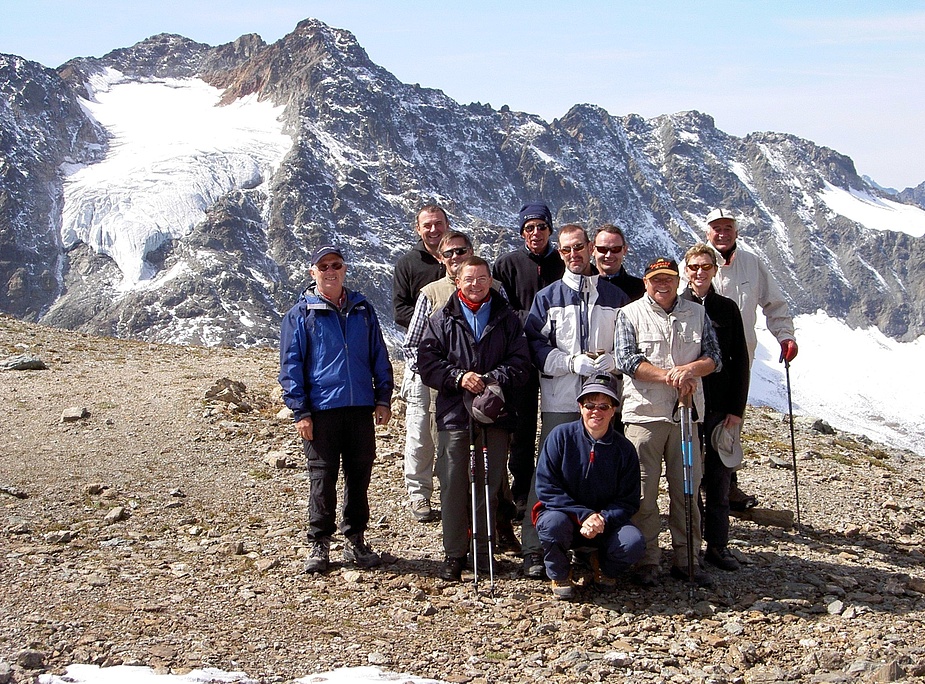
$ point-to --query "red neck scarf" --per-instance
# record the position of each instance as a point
(472, 306)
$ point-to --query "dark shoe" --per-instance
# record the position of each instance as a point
(533, 566)
(319, 554)
(646, 575)
(563, 590)
(358, 552)
(701, 577)
(422, 512)
(740, 501)
(452, 568)
(507, 540)
(721, 558)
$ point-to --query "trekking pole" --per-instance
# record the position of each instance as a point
(793, 443)
(687, 461)
(488, 522)
(475, 534)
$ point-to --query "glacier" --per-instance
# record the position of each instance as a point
(173, 151)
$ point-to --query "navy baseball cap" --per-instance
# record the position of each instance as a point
(322, 252)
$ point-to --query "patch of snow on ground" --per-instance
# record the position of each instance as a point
(173, 153)
(875, 213)
(858, 380)
(124, 674)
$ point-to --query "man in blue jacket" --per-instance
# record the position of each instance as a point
(337, 379)
(588, 489)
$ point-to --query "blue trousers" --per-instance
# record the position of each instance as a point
(617, 548)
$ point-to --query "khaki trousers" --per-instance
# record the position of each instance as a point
(657, 442)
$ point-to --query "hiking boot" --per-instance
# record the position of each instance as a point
(507, 540)
(451, 569)
(563, 589)
(721, 558)
(319, 553)
(600, 579)
(421, 511)
(358, 552)
(533, 566)
(646, 575)
(701, 577)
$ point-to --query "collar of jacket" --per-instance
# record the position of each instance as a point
(540, 257)
(575, 281)
(315, 301)
(655, 306)
(691, 296)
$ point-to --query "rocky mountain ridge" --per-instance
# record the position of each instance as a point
(366, 151)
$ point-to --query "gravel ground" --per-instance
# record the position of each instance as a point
(166, 529)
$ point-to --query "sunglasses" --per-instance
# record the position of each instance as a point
(573, 248)
(337, 265)
(700, 267)
(591, 406)
(607, 250)
(536, 228)
(454, 251)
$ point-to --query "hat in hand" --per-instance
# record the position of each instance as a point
(728, 444)
(487, 406)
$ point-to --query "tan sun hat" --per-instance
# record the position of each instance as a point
(728, 444)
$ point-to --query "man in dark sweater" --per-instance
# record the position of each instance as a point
(609, 251)
(725, 397)
(522, 273)
(418, 267)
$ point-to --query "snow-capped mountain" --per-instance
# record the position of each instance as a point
(172, 190)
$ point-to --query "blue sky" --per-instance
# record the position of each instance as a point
(847, 74)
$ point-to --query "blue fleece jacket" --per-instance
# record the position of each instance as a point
(333, 359)
(568, 480)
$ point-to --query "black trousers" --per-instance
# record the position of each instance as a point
(522, 459)
(344, 438)
(715, 487)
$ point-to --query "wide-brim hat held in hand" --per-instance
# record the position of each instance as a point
(728, 444)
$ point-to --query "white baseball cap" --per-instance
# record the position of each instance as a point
(720, 213)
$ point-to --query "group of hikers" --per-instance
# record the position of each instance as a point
(556, 336)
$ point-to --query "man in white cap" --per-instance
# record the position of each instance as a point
(746, 280)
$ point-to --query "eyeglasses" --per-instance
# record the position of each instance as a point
(573, 248)
(454, 251)
(535, 227)
(481, 280)
(700, 267)
(607, 250)
(591, 406)
(337, 265)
